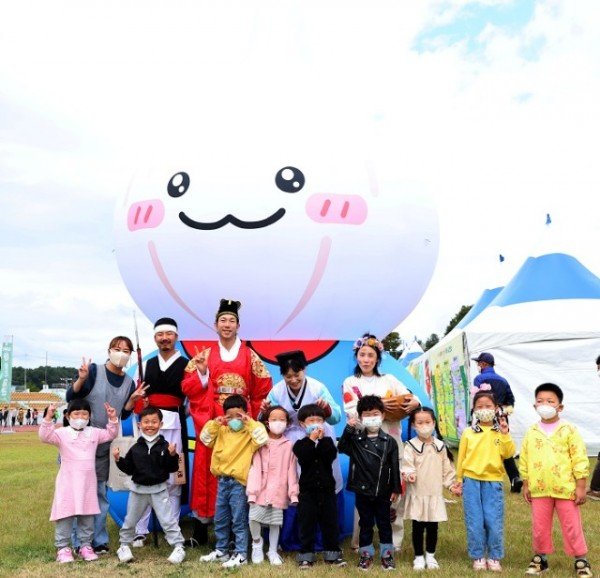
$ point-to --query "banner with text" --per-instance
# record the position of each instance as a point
(6, 371)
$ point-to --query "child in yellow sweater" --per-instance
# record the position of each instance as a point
(479, 474)
(233, 437)
(554, 467)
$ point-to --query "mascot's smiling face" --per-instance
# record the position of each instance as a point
(322, 243)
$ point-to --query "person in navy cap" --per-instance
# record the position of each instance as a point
(488, 379)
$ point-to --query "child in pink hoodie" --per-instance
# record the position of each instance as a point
(272, 484)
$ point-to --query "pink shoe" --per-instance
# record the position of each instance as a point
(479, 564)
(64, 555)
(87, 553)
(494, 566)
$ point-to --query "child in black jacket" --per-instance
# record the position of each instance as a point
(317, 501)
(374, 477)
(149, 463)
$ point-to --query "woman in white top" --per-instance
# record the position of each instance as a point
(367, 380)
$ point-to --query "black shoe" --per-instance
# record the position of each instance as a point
(537, 566)
(515, 485)
(101, 549)
(305, 564)
(340, 562)
(387, 563)
(582, 567)
(365, 562)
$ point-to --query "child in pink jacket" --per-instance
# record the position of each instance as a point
(75, 496)
(272, 484)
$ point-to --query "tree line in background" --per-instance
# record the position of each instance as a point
(64, 375)
(393, 343)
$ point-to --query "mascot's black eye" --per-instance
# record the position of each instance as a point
(289, 179)
(178, 184)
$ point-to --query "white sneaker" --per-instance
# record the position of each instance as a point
(419, 563)
(177, 555)
(431, 562)
(274, 558)
(235, 562)
(124, 554)
(139, 541)
(215, 556)
(258, 555)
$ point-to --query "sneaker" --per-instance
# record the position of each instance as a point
(365, 562)
(305, 564)
(516, 484)
(258, 555)
(387, 563)
(139, 541)
(101, 549)
(419, 563)
(593, 494)
(537, 565)
(177, 555)
(494, 566)
(479, 564)
(124, 554)
(274, 558)
(65, 555)
(339, 562)
(583, 568)
(431, 562)
(235, 562)
(87, 553)
(215, 556)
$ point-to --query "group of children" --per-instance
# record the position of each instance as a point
(257, 471)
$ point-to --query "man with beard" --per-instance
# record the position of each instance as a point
(211, 377)
(163, 376)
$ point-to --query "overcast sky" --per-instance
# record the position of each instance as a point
(497, 115)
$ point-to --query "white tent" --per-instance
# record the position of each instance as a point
(543, 326)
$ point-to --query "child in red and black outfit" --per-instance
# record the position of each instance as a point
(374, 477)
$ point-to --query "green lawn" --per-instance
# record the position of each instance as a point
(28, 469)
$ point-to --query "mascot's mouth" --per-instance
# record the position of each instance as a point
(233, 220)
(312, 285)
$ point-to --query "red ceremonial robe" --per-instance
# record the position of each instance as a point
(246, 375)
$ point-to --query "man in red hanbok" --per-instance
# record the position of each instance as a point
(212, 375)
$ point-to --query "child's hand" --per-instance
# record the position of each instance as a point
(111, 412)
(526, 492)
(352, 422)
(221, 420)
(580, 496)
(503, 424)
(265, 404)
(50, 412)
(394, 497)
(244, 417)
(455, 489)
(316, 434)
(172, 449)
(412, 478)
(116, 454)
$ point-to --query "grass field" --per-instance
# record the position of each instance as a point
(28, 469)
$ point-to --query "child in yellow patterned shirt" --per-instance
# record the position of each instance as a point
(554, 467)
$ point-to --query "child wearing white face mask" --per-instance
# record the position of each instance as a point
(374, 477)
(554, 466)
(272, 484)
(479, 475)
(75, 497)
(426, 468)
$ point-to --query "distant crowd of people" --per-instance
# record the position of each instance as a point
(13, 417)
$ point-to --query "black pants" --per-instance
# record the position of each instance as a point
(318, 508)
(418, 529)
(373, 511)
(595, 481)
(510, 465)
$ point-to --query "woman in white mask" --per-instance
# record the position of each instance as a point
(100, 384)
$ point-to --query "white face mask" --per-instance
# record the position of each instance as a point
(277, 427)
(118, 358)
(78, 423)
(425, 431)
(150, 438)
(484, 415)
(372, 423)
(546, 411)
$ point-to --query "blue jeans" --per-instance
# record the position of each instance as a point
(483, 504)
(100, 532)
(231, 514)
